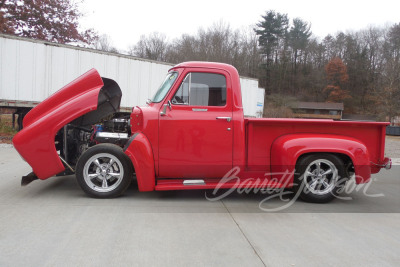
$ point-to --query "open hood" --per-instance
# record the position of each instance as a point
(84, 102)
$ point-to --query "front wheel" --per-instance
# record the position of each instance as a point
(320, 177)
(104, 171)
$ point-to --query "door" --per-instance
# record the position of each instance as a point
(195, 134)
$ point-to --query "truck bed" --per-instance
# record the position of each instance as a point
(261, 133)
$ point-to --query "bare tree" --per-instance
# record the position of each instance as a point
(387, 94)
(104, 43)
(248, 59)
(185, 48)
(154, 47)
(218, 43)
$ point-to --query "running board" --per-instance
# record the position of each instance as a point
(180, 184)
(210, 183)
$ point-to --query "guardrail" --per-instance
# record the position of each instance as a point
(393, 130)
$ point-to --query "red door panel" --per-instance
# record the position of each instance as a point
(196, 141)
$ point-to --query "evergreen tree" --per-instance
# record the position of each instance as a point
(271, 31)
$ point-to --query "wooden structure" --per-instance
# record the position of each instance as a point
(318, 110)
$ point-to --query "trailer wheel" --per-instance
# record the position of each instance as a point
(104, 171)
(320, 177)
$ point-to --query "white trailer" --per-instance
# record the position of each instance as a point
(31, 70)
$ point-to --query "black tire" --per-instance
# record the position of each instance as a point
(320, 177)
(100, 179)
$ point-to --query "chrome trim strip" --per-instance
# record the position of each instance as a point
(190, 85)
(112, 135)
(200, 109)
(194, 182)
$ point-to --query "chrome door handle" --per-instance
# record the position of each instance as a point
(224, 118)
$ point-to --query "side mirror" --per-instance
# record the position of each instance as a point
(164, 110)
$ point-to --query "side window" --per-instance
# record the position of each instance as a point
(201, 89)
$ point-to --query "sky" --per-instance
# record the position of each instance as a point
(125, 21)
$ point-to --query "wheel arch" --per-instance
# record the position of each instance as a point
(291, 148)
(344, 157)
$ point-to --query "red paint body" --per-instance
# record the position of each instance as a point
(187, 143)
(35, 143)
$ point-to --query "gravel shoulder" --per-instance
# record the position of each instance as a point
(392, 147)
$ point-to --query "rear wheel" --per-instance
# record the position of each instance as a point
(320, 177)
(104, 171)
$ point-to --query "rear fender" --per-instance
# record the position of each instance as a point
(139, 150)
(287, 149)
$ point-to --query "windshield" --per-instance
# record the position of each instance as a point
(165, 86)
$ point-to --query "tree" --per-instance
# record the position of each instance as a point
(183, 49)
(5, 24)
(387, 95)
(104, 43)
(248, 60)
(215, 43)
(393, 43)
(337, 77)
(299, 35)
(271, 30)
(153, 46)
(218, 43)
(54, 21)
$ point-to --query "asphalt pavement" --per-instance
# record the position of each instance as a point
(53, 223)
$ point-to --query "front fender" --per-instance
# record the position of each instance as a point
(140, 152)
(82, 102)
(287, 149)
(35, 142)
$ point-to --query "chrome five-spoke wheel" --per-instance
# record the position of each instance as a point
(104, 171)
(319, 177)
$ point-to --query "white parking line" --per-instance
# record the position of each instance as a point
(395, 161)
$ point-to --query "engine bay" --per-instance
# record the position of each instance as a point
(73, 140)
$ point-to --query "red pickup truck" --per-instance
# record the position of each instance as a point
(191, 135)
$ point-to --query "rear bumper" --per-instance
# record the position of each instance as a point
(387, 163)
